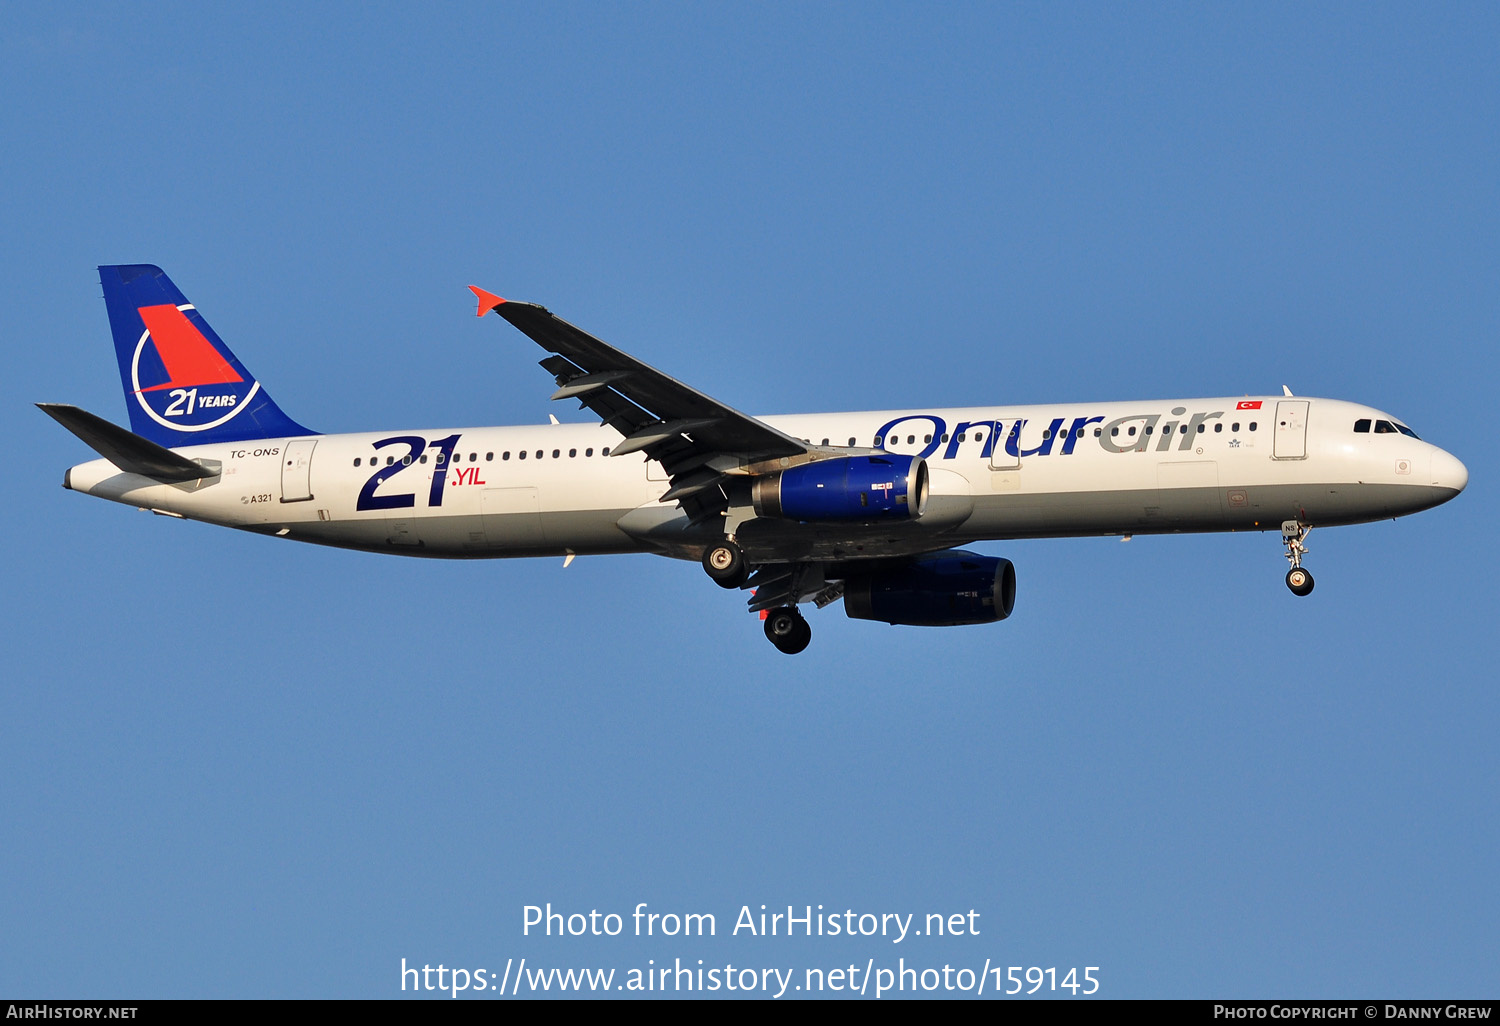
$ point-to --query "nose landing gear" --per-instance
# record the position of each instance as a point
(1298, 579)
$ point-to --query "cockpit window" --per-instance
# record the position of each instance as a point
(1384, 427)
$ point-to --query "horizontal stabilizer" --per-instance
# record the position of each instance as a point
(130, 452)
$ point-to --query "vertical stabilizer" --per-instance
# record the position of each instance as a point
(182, 384)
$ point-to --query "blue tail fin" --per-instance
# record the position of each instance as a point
(182, 384)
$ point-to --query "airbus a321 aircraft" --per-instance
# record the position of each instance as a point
(870, 507)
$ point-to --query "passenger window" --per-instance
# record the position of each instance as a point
(1098, 432)
(1148, 428)
(961, 436)
(356, 461)
(1046, 433)
(1235, 427)
(877, 442)
(556, 453)
(825, 441)
(1218, 428)
(851, 443)
(521, 454)
(389, 460)
(588, 452)
(1202, 428)
(1132, 432)
(1252, 425)
(406, 461)
(1183, 430)
(604, 451)
(945, 438)
(489, 457)
(423, 458)
(979, 436)
(572, 453)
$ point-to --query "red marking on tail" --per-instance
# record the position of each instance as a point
(190, 358)
(487, 300)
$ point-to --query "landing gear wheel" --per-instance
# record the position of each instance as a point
(787, 630)
(725, 563)
(1299, 580)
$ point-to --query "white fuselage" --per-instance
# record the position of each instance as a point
(1070, 470)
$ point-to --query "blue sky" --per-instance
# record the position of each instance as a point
(232, 767)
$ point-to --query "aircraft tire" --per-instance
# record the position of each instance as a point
(799, 640)
(725, 563)
(787, 630)
(1300, 581)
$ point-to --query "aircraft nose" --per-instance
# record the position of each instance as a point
(1448, 472)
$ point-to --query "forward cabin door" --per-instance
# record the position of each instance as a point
(1291, 429)
(296, 470)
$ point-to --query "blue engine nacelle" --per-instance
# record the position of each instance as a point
(944, 589)
(847, 488)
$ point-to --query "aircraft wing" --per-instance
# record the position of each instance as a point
(660, 416)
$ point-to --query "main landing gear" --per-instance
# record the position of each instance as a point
(725, 563)
(787, 630)
(785, 627)
(1293, 533)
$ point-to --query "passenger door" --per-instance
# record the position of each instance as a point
(296, 470)
(1291, 430)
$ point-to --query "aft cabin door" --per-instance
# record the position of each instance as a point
(296, 470)
(1291, 430)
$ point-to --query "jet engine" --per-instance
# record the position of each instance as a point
(847, 488)
(943, 589)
